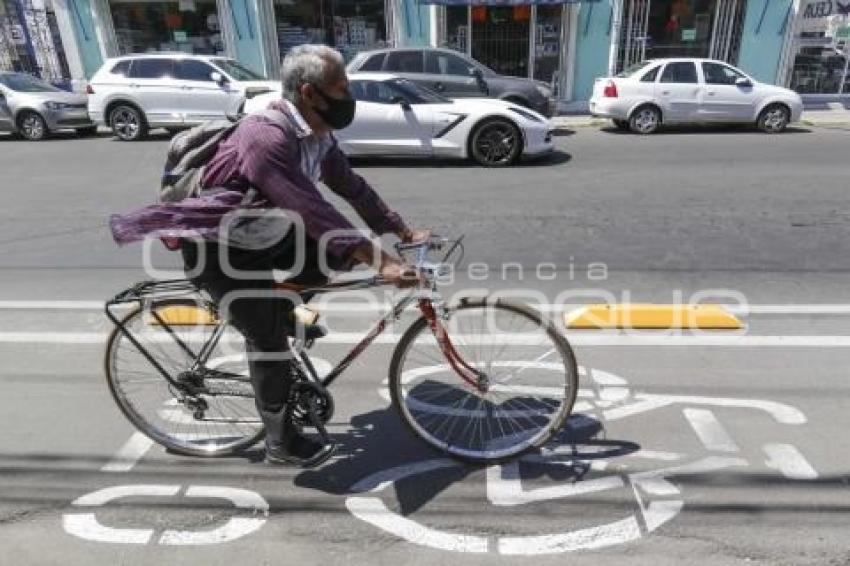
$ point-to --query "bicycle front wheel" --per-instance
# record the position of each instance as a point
(529, 367)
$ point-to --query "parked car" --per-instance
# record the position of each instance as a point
(669, 91)
(455, 75)
(135, 93)
(33, 108)
(397, 117)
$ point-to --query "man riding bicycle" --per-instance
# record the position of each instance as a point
(272, 162)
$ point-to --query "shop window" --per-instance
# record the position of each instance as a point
(680, 72)
(350, 26)
(500, 41)
(404, 62)
(547, 43)
(194, 70)
(457, 28)
(190, 26)
(820, 70)
(439, 63)
(716, 74)
(153, 68)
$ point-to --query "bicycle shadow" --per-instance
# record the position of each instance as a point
(378, 441)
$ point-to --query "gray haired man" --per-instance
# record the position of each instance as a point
(284, 160)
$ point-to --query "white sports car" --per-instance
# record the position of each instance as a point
(400, 118)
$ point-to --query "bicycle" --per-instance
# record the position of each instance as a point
(455, 377)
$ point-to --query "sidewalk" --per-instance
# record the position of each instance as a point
(829, 114)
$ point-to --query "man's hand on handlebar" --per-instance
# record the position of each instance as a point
(397, 273)
(407, 235)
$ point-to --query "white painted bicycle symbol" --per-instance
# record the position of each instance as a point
(657, 499)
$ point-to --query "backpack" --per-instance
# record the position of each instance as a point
(189, 152)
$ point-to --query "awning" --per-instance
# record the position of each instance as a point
(501, 2)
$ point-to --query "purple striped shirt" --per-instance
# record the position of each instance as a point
(263, 155)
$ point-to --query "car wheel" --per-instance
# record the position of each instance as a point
(87, 132)
(32, 126)
(774, 119)
(495, 143)
(128, 123)
(645, 120)
(621, 124)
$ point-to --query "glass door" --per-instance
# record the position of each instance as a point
(547, 43)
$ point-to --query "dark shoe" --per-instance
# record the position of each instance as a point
(301, 451)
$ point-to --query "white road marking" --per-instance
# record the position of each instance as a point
(644, 402)
(596, 339)
(366, 306)
(709, 430)
(617, 532)
(129, 454)
(788, 460)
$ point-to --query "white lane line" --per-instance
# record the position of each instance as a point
(129, 454)
(346, 306)
(788, 460)
(709, 430)
(583, 339)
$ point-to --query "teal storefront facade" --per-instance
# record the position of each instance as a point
(795, 43)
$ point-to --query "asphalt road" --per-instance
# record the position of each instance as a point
(686, 448)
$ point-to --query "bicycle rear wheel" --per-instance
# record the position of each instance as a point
(530, 367)
(221, 421)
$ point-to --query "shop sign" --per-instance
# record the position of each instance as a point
(843, 32)
(825, 9)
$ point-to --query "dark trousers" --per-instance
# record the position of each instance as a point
(264, 321)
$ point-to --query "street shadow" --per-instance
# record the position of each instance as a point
(556, 157)
(705, 129)
(379, 441)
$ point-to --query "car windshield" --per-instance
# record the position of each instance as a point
(631, 70)
(417, 94)
(26, 83)
(237, 71)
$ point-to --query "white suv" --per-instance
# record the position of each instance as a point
(670, 91)
(135, 93)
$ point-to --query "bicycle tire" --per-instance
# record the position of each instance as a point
(560, 345)
(116, 338)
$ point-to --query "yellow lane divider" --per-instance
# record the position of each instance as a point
(651, 316)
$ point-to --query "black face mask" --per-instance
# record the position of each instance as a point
(340, 111)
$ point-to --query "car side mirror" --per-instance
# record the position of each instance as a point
(218, 78)
(744, 82)
(401, 102)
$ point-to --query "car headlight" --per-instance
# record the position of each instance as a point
(544, 91)
(56, 105)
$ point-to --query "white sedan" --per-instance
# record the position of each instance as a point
(396, 117)
(669, 91)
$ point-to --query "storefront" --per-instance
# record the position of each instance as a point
(348, 25)
(30, 41)
(190, 26)
(522, 40)
(651, 29)
(820, 52)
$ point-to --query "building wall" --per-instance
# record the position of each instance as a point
(413, 22)
(764, 36)
(79, 37)
(593, 46)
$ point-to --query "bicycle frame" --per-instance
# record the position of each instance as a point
(425, 300)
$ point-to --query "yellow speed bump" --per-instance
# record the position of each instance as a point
(184, 315)
(188, 315)
(651, 316)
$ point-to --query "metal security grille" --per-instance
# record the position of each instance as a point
(501, 42)
(30, 42)
(728, 27)
(633, 32)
